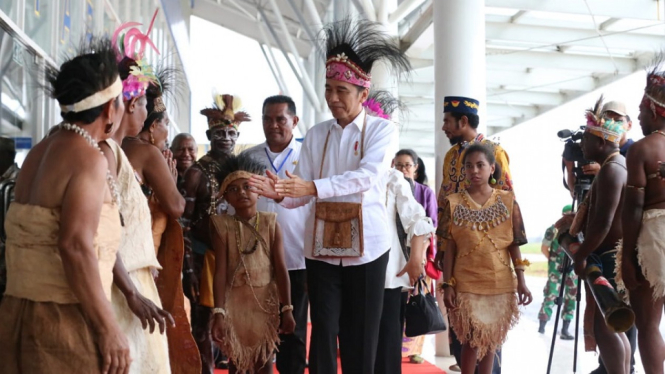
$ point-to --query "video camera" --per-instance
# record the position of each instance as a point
(572, 151)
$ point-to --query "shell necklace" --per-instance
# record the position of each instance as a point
(113, 187)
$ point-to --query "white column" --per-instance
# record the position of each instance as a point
(382, 77)
(459, 70)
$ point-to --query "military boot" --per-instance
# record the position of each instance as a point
(541, 329)
(565, 335)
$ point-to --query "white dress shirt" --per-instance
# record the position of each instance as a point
(292, 221)
(400, 200)
(346, 176)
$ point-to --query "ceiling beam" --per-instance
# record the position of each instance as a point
(237, 21)
(556, 60)
(531, 97)
(564, 36)
(637, 9)
(517, 16)
(406, 7)
(418, 28)
(426, 112)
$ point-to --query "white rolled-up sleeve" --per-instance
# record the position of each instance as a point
(411, 213)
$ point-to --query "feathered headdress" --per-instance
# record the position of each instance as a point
(225, 111)
(131, 46)
(382, 104)
(654, 92)
(352, 48)
(605, 128)
(237, 167)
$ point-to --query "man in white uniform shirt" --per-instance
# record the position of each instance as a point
(280, 153)
(345, 160)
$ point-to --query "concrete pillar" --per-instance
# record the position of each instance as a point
(382, 77)
(459, 70)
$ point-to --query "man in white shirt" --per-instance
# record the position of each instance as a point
(345, 160)
(280, 153)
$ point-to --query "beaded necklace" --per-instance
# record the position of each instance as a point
(482, 220)
(268, 309)
(658, 132)
(113, 187)
(256, 240)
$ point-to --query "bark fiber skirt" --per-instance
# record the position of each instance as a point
(45, 337)
(483, 321)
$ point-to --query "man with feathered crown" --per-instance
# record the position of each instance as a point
(599, 220)
(339, 176)
(642, 261)
(201, 187)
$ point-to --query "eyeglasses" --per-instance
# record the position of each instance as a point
(234, 190)
(221, 134)
(404, 166)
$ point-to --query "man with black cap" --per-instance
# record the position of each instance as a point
(460, 123)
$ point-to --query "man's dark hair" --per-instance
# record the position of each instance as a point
(474, 120)
(281, 99)
(488, 151)
(93, 69)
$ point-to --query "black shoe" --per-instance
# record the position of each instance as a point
(565, 335)
(541, 329)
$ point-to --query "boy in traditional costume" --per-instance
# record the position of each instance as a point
(483, 229)
(251, 279)
(643, 255)
(201, 186)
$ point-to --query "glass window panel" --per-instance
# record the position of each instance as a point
(10, 8)
(71, 27)
(19, 92)
(38, 22)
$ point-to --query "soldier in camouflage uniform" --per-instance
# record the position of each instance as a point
(550, 248)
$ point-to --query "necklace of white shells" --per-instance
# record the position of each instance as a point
(113, 187)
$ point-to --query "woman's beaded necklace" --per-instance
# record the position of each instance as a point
(482, 220)
(113, 187)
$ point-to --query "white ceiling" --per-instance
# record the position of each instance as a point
(540, 54)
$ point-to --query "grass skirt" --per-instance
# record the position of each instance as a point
(483, 321)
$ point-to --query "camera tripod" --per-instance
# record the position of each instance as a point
(581, 190)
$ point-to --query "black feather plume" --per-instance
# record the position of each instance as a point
(364, 43)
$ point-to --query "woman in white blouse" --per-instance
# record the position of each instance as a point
(409, 229)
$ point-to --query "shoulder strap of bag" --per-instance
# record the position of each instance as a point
(362, 148)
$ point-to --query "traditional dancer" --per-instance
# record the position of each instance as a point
(201, 186)
(599, 219)
(643, 256)
(251, 279)
(136, 301)
(280, 153)
(63, 232)
(155, 169)
(483, 229)
(460, 124)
